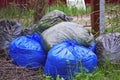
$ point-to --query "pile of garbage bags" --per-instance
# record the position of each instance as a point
(61, 46)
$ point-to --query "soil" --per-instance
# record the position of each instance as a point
(9, 71)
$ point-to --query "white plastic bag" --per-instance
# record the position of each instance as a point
(79, 4)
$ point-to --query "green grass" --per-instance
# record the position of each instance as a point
(106, 71)
(11, 12)
(113, 10)
(113, 28)
(114, 25)
(69, 11)
(22, 15)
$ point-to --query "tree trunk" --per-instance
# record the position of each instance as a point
(95, 16)
(40, 6)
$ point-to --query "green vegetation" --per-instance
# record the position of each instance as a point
(113, 28)
(69, 11)
(114, 24)
(105, 72)
(12, 13)
(112, 11)
(24, 16)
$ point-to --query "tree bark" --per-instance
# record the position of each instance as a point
(95, 16)
(40, 6)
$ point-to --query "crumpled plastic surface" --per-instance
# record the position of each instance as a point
(9, 30)
(50, 19)
(67, 31)
(29, 30)
(92, 46)
(27, 51)
(108, 48)
(67, 58)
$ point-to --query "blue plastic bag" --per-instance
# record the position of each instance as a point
(27, 51)
(67, 58)
(92, 46)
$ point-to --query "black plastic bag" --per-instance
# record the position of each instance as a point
(108, 48)
(9, 30)
(11, 27)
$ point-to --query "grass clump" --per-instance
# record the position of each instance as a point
(105, 72)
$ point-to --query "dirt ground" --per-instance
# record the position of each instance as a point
(84, 20)
(9, 71)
